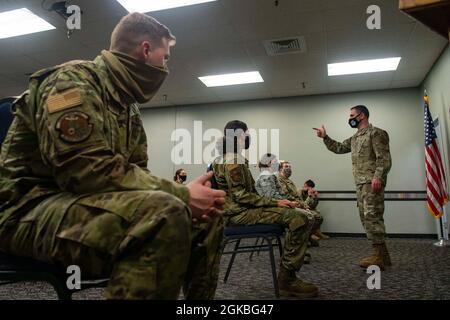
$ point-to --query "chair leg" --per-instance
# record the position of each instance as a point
(280, 246)
(273, 267)
(251, 253)
(60, 287)
(230, 264)
(224, 244)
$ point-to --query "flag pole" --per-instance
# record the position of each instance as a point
(443, 230)
(442, 222)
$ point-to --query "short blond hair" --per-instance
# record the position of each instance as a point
(135, 28)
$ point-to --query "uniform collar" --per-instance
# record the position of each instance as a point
(266, 173)
(235, 158)
(107, 82)
(363, 131)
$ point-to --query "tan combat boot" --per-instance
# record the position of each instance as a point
(375, 259)
(291, 286)
(314, 240)
(321, 235)
(386, 256)
(307, 258)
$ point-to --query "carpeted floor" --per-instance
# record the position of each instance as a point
(420, 271)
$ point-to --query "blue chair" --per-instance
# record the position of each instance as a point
(269, 234)
(18, 269)
(6, 116)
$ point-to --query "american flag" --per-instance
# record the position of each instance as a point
(437, 195)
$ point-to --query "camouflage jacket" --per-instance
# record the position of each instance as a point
(308, 200)
(234, 177)
(289, 188)
(74, 132)
(267, 185)
(371, 157)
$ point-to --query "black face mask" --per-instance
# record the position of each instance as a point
(183, 178)
(353, 122)
(247, 141)
(287, 172)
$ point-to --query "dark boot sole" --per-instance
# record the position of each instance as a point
(305, 295)
(382, 268)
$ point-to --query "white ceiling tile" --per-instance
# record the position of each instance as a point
(404, 74)
(405, 83)
(19, 64)
(226, 36)
(360, 87)
(294, 7)
(358, 79)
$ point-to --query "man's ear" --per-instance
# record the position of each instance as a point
(146, 48)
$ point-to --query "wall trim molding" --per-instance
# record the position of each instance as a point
(389, 235)
(392, 195)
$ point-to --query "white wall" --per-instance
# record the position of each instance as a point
(397, 111)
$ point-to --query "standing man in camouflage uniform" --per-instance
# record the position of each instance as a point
(290, 190)
(371, 161)
(244, 206)
(74, 183)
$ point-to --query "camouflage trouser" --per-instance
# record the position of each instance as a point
(143, 241)
(318, 219)
(371, 210)
(298, 223)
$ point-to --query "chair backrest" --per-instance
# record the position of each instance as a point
(213, 180)
(6, 116)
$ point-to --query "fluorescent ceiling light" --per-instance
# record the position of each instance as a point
(153, 5)
(231, 79)
(363, 66)
(21, 21)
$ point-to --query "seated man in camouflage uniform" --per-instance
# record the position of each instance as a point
(74, 183)
(310, 196)
(289, 188)
(244, 206)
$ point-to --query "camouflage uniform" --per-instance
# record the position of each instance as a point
(243, 205)
(290, 189)
(75, 189)
(371, 158)
(267, 186)
(311, 202)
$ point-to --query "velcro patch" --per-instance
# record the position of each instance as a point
(235, 173)
(66, 100)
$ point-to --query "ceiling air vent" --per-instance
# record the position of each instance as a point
(284, 46)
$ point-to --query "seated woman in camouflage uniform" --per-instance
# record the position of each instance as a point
(244, 206)
(267, 183)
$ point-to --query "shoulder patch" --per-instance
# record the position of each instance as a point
(74, 127)
(233, 166)
(68, 99)
(235, 172)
